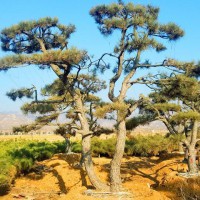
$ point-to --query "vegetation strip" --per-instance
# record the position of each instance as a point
(19, 156)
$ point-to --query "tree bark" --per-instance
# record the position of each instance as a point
(115, 176)
(192, 166)
(86, 147)
(87, 159)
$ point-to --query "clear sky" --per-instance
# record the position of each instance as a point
(185, 13)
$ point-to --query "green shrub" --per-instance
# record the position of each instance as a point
(60, 146)
(7, 174)
(4, 184)
(23, 164)
(76, 147)
(150, 145)
(147, 145)
(174, 142)
(98, 146)
(18, 156)
(103, 147)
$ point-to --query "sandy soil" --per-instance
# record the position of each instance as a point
(144, 178)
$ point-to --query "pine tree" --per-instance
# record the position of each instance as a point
(45, 43)
(175, 101)
(139, 30)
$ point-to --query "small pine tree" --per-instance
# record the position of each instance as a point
(175, 102)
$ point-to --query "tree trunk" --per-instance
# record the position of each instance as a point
(169, 127)
(86, 147)
(192, 166)
(87, 159)
(115, 176)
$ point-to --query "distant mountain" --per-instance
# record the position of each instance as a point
(151, 128)
(9, 120)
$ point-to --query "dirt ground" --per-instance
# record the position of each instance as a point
(144, 178)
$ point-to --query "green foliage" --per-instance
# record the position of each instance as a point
(99, 147)
(23, 92)
(146, 146)
(23, 37)
(70, 57)
(84, 82)
(47, 118)
(61, 130)
(103, 147)
(139, 120)
(37, 107)
(45, 35)
(53, 89)
(174, 141)
(110, 107)
(38, 124)
(4, 184)
(180, 86)
(175, 100)
(129, 16)
(76, 147)
(19, 156)
(151, 145)
(166, 107)
(184, 116)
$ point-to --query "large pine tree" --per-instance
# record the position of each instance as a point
(44, 43)
(139, 30)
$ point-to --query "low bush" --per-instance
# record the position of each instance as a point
(19, 156)
(150, 145)
(76, 147)
(99, 147)
(7, 175)
(146, 145)
(103, 147)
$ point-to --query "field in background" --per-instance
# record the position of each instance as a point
(48, 137)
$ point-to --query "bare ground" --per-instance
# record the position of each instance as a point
(144, 178)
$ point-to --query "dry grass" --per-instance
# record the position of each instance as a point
(48, 137)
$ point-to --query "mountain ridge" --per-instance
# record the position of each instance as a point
(10, 120)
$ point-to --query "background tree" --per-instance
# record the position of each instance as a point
(44, 43)
(175, 102)
(139, 30)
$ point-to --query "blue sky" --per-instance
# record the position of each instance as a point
(185, 13)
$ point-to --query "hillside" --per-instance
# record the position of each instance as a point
(9, 120)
